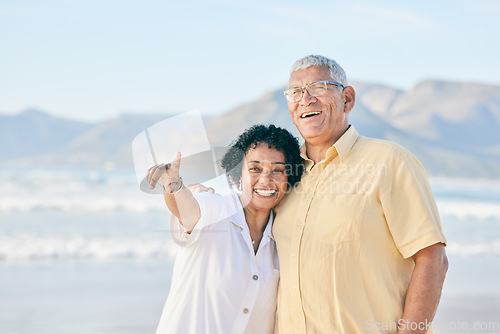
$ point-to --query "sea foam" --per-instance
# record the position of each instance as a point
(32, 248)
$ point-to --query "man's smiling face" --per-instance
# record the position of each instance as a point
(323, 119)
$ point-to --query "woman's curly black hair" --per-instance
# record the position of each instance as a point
(275, 137)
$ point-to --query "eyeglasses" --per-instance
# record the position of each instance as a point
(314, 89)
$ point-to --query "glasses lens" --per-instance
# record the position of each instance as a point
(317, 89)
(293, 94)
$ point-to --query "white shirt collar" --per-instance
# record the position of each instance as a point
(239, 219)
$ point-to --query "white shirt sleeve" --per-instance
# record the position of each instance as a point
(213, 208)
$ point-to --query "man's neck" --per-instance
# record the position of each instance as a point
(317, 151)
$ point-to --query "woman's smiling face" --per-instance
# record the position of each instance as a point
(263, 177)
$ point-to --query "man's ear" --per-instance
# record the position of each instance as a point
(349, 98)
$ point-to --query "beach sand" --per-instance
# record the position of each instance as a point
(127, 296)
(124, 296)
(468, 314)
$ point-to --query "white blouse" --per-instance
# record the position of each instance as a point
(219, 284)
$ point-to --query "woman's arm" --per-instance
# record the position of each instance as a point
(179, 200)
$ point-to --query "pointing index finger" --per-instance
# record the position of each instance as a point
(176, 164)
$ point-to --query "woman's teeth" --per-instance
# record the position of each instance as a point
(263, 192)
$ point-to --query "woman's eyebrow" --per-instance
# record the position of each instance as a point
(273, 163)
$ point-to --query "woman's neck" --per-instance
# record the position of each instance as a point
(257, 222)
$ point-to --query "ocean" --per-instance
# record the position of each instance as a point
(85, 251)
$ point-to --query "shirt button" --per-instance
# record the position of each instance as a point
(255, 277)
(298, 223)
(293, 254)
(294, 287)
(308, 196)
(245, 311)
(298, 319)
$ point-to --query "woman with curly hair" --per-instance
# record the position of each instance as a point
(226, 274)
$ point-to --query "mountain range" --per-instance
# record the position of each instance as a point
(452, 127)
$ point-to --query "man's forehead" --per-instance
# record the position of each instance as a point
(309, 74)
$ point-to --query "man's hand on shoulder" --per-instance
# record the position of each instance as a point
(199, 188)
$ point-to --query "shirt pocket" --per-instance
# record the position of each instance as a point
(340, 218)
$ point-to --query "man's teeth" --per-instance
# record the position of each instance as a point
(263, 192)
(307, 114)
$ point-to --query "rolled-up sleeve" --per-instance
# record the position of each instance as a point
(213, 208)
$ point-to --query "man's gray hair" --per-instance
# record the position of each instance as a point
(336, 71)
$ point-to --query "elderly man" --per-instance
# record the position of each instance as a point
(359, 240)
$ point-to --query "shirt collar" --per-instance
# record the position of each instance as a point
(342, 147)
(268, 231)
(239, 219)
(345, 143)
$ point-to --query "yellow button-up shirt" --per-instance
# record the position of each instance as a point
(345, 236)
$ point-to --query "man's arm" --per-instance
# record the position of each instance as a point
(424, 290)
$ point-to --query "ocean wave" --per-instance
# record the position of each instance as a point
(96, 203)
(130, 202)
(474, 248)
(71, 191)
(469, 210)
(32, 248)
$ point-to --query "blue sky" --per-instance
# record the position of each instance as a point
(91, 60)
